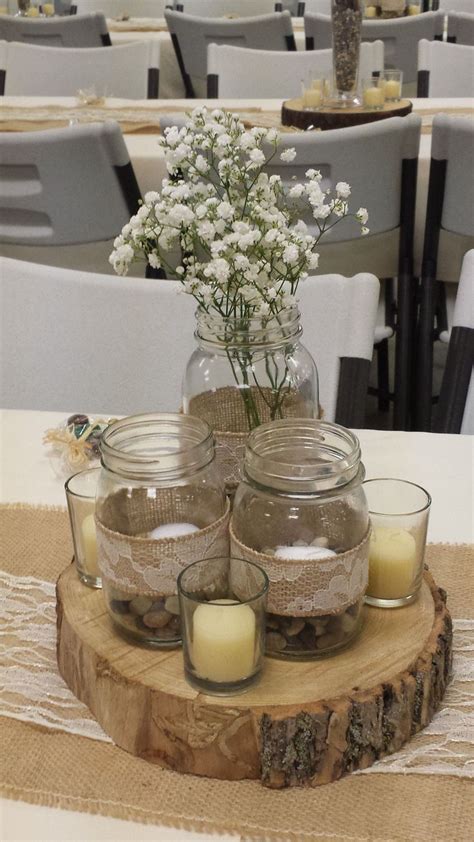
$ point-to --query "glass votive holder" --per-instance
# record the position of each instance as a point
(80, 494)
(393, 80)
(222, 603)
(314, 89)
(373, 93)
(399, 512)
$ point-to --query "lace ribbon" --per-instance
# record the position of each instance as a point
(32, 691)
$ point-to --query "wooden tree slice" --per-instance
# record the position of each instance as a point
(292, 114)
(305, 723)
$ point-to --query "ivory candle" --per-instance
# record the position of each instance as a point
(370, 11)
(48, 9)
(173, 530)
(374, 97)
(33, 12)
(89, 545)
(414, 10)
(392, 89)
(223, 641)
(392, 563)
(312, 97)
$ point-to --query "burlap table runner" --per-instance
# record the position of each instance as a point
(54, 753)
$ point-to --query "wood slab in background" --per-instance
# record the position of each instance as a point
(293, 114)
(305, 723)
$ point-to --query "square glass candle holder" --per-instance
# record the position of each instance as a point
(393, 80)
(373, 93)
(80, 494)
(222, 603)
(399, 512)
(314, 91)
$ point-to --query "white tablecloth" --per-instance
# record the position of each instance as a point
(443, 464)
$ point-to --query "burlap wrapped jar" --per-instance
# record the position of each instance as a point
(160, 506)
(246, 372)
(300, 513)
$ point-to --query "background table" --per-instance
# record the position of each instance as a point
(441, 463)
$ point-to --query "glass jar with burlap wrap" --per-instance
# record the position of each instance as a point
(246, 372)
(300, 513)
(160, 506)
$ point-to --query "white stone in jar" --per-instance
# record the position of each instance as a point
(173, 530)
(303, 553)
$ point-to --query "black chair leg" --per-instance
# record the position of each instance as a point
(424, 355)
(404, 351)
(383, 384)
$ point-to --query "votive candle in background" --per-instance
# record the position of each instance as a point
(414, 9)
(222, 605)
(392, 85)
(80, 496)
(370, 11)
(48, 9)
(373, 96)
(399, 512)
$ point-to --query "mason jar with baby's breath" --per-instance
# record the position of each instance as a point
(245, 372)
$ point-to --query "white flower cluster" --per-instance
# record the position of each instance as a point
(241, 243)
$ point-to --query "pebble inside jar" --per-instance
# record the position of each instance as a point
(160, 506)
(300, 513)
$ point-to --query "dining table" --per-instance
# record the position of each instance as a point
(62, 777)
(140, 122)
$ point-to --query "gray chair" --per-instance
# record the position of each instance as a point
(461, 27)
(113, 8)
(400, 37)
(191, 36)
(380, 162)
(445, 70)
(65, 186)
(129, 71)
(221, 8)
(77, 31)
(449, 212)
(455, 410)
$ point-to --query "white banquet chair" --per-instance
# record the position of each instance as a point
(191, 36)
(379, 160)
(455, 5)
(221, 8)
(62, 189)
(455, 410)
(239, 72)
(76, 31)
(124, 342)
(449, 233)
(445, 70)
(400, 37)
(461, 27)
(115, 8)
(129, 71)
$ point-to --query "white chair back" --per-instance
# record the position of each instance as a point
(239, 72)
(338, 317)
(400, 37)
(92, 341)
(192, 35)
(453, 142)
(461, 27)
(129, 71)
(456, 6)
(223, 8)
(114, 8)
(65, 186)
(370, 157)
(445, 70)
(75, 31)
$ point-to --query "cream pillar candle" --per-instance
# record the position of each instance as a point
(374, 97)
(223, 641)
(414, 10)
(370, 11)
(89, 545)
(392, 563)
(392, 89)
(33, 12)
(312, 97)
(48, 9)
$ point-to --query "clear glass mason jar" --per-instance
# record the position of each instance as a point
(246, 372)
(300, 513)
(160, 506)
(346, 35)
